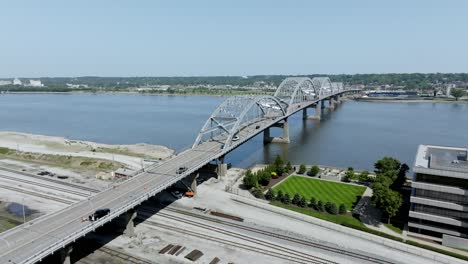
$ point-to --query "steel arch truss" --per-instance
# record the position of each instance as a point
(326, 87)
(294, 90)
(236, 113)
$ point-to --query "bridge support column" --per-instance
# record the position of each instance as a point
(338, 99)
(318, 111)
(266, 136)
(193, 186)
(65, 254)
(222, 168)
(304, 114)
(332, 103)
(322, 104)
(129, 224)
(285, 138)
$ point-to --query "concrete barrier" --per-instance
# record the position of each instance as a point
(436, 257)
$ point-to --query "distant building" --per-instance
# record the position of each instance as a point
(439, 195)
(3, 82)
(17, 81)
(35, 83)
(123, 173)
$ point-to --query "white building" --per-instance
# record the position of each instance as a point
(35, 83)
(17, 81)
(3, 82)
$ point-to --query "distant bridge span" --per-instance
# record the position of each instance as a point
(235, 121)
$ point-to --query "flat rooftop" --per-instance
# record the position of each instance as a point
(441, 158)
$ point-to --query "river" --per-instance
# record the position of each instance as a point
(355, 134)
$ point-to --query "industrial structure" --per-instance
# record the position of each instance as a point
(235, 121)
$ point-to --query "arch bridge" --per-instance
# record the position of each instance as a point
(234, 122)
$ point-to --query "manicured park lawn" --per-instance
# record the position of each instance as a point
(325, 191)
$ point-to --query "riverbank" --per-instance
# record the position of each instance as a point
(395, 100)
(129, 155)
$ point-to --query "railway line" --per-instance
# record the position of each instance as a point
(308, 243)
(284, 256)
(48, 186)
(76, 186)
(280, 251)
(127, 258)
(48, 197)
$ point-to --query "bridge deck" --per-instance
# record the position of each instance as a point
(39, 238)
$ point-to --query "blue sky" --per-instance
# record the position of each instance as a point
(191, 38)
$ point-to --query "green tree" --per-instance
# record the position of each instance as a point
(313, 203)
(392, 204)
(287, 199)
(387, 164)
(364, 176)
(349, 175)
(342, 209)
(457, 93)
(250, 180)
(258, 192)
(278, 165)
(289, 167)
(296, 199)
(332, 209)
(280, 196)
(320, 206)
(302, 169)
(303, 202)
(264, 178)
(270, 195)
(314, 170)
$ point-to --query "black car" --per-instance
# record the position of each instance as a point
(181, 170)
(100, 213)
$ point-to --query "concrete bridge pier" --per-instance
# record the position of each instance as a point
(285, 138)
(304, 114)
(65, 254)
(266, 136)
(331, 103)
(222, 168)
(128, 219)
(318, 112)
(322, 104)
(338, 98)
(193, 186)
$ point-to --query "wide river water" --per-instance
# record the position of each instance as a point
(355, 134)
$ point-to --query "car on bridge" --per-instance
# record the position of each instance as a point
(98, 214)
(181, 170)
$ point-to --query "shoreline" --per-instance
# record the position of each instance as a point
(130, 155)
(408, 101)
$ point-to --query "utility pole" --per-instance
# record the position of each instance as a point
(24, 214)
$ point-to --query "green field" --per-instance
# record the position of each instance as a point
(325, 191)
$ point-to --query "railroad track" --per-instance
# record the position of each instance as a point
(278, 251)
(127, 258)
(76, 186)
(52, 187)
(283, 237)
(48, 197)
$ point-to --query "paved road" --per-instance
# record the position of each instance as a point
(38, 238)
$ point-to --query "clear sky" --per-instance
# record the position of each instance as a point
(191, 38)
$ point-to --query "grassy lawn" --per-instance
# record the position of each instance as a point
(325, 191)
(338, 219)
